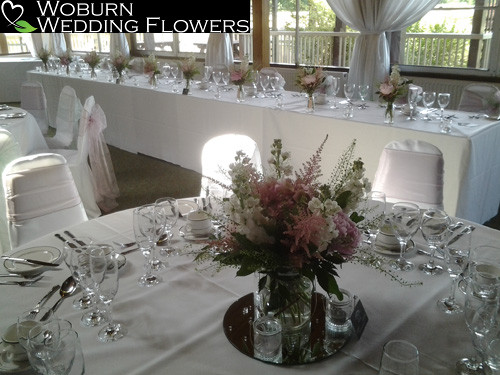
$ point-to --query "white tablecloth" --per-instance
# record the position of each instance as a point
(176, 327)
(175, 127)
(25, 130)
(12, 74)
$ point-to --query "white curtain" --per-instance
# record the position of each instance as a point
(370, 59)
(118, 43)
(57, 44)
(54, 42)
(149, 41)
(219, 50)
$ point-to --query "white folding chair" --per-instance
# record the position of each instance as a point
(411, 171)
(479, 98)
(69, 111)
(219, 152)
(9, 150)
(41, 197)
(34, 101)
(95, 182)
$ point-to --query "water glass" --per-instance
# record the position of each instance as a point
(412, 101)
(428, 98)
(405, 221)
(267, 339)
(484, 271)
(338, 314)
(443, 101)
(399, 357)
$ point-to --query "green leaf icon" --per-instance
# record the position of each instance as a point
(24, 27)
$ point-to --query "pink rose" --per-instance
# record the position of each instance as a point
(386, 88)
(308, 79)
(236, 76)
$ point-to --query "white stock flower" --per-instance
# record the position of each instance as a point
(315, 205)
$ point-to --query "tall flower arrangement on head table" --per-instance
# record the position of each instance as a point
(309, 79)
(65, 60)
(239, 75)
(151, 70)
(119, 62)
(392, 88)
(93, 59)
(189, 70)
(44, 55)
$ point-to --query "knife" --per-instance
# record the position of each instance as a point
(81, 243)
(30, 261)
(468, 229)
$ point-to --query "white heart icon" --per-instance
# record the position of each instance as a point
(12, 8)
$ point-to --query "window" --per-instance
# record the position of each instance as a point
(86, 42)
(172, 45)
(15, 43)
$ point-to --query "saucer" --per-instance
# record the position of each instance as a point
(44, 253)
(186, 206)
(392, 250)
(13, 367)
(190, 236)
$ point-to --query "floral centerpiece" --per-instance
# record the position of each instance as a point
(151, 69)
(189, 70)
(44, 55)
(309, 79)
(119, 62)
(93, 59)
(239, 75)
(65, 59)
(392, 88)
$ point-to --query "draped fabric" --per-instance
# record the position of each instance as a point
(149, 41)
(118, 43)
(481, 98)
(69, 110)
(219, 50)
(9, 150)
(54, 42)
(370, 59)
(34, 101)
(93, 144)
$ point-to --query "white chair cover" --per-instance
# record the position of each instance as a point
(34, 101)
(219, 50)
(480, 98)
(220, 151)
(9, 150)
(411, 171)
(41, 197)
(68, 114)
(96, 183)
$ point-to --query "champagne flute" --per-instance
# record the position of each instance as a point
(374, 215)
(104, 271)
(334, 90)
(145, 235)
(434, 228)
(412, 101)
(167, 210)
(405, 221)
(428, 98)
(443, 101)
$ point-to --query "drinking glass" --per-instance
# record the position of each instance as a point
(267, 339)
(334, 91)
(412, 101)
(274, 81)
(207, 72)
(264, 82)
(85, 301)
(27, 320)
(225, 78)
(434, 227)
(456, 258)
(166, 71)
(428, 98)
(80, 266)
(443, 101)
(484, 271)
(217, 76)
(399, 357)
(481, 314)
(349, 91)
(405, 221)
(145, 235)
(167, 211)
(104, 270)
(364, 91)
(374, 215)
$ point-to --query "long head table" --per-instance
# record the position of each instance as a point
(176, 327)
(175, 127)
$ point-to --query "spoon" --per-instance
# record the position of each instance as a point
(68, 288)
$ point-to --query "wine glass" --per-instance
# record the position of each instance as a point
(334, 90)
(145, 235)
(374, 215)
(349, 91)
(174, 71)
(412, 101)
(217, 76)
(434, 227)
(363, 90)
(80, 267)
(443, 101)
(167, 210)
(405, 221)
(274, 81)
(481, 314)
(225, 78)
(428, 98)
(456, 258)
(207, 72)
(104, 271)
(264, 82)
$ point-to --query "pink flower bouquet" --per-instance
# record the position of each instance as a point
(309, 79)
(241, 74)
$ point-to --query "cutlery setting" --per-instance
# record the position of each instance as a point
(24, 282)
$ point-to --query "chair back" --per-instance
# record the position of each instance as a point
(68, 115)
(41, 197)
(481, 98)
(34, 101)
(411, 171)
(9, 150)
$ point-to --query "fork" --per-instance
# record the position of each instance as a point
(124, 245)
(44, 299)
(21, 283)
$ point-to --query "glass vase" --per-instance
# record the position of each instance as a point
(310, 103)
(93, 74)
(287, 297)
(240, 94)
(153, 81)
(389, 113)
(67, 70)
